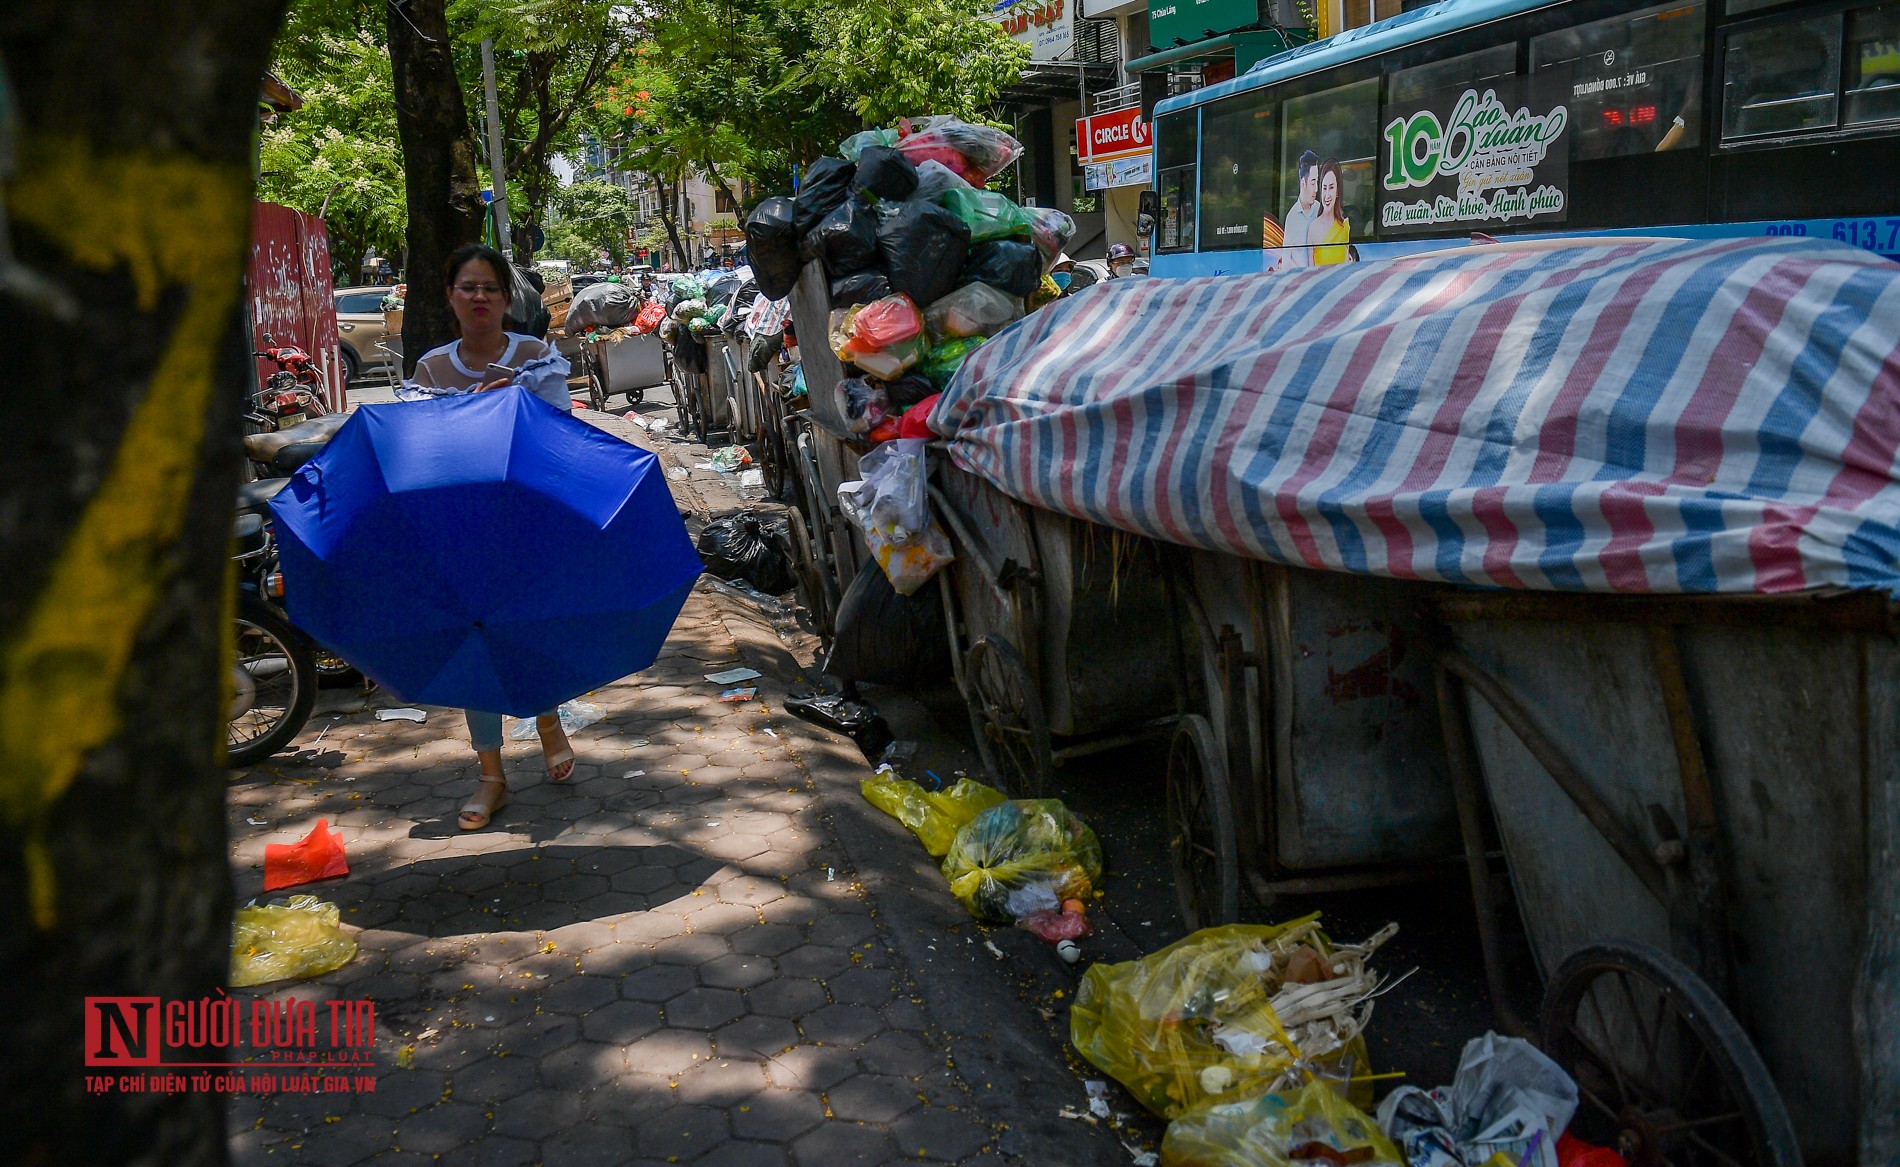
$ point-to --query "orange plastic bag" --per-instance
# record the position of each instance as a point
(319, 855)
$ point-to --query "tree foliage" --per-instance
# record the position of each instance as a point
(589, 218)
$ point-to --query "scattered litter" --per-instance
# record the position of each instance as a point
(702, 465)
(770, 732)
(737, 696)
(318, 855)
(637, 421)
(401, 715)
(994, 951)
(257, 822)
(1068, 1112)
(636, 743)
(406, 1058)
(830, 875)
(677, 473)
(752, 478)
(1013, 847)
(490, 1017)
(730, 458)
(1145, 1159)
(899, 753)
(751, 548)
(1069, 951)
(634, 774)
(854, 719)
(658, 423)
(1098, 1107)
(1507, 1100)
(432, 1031)
(733, 676)
(575, 716)
(325, 729)
(1288, 984)
(934, 818)
(296, 937)
(1314, 1124)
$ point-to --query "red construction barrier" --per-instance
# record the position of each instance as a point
(291, 291)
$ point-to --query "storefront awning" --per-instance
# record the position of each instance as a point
(1246, 48)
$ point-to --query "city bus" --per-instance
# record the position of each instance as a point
(1698, 119)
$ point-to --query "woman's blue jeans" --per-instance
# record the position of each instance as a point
(484, 729)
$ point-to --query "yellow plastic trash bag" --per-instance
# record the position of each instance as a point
(1314, 1125)
(1022, 856)
(1230, 1012)
(297, 937)
(933, 817)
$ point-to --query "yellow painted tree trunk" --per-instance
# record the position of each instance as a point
(127, 184)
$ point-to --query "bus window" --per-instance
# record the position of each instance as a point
(1237, 153)
(1175, 232)
(1177, 142)
(1486, 67)
(1329, 151)
(1783, 78)
(1633, 83)
(1873, 65)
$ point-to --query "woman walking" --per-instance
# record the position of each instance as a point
(485, 357)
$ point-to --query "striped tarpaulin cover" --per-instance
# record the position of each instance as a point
(1650, 416)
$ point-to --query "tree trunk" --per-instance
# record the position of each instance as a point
(667, 220)
(438, 151)
(738, 208)
(130, 215)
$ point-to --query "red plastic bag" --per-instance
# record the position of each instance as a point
(916, 420)
(884, 431)
(1574, 1152)
(649, 317)
(882, 323)
(319, 855)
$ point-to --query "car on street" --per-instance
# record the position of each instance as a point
(359, 327)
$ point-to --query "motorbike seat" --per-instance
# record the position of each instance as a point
(264, 447)
(296, 454)
(251, 496)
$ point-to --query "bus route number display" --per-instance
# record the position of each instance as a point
(1477, 159)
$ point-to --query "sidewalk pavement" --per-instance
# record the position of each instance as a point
(670, 959)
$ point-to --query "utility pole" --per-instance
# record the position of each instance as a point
(495, 168)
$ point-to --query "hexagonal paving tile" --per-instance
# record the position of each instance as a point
(668, 1052)
(719, 1081)
(767, 939)
(840, 1024)
(785, 997)
(760, 1036)
(777, 1115)
(872, 1098)
(660, 982)
(841, 1144)
(737, 970)
(703, 1008)
(936, 1133)
(682, 1132)
(620, 1022)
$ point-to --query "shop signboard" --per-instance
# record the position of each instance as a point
(1136, 171)
(1104, 137)
(1046, 26)
(1188, 21)
(1490, 156)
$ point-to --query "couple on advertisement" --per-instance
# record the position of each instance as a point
(1316, 230)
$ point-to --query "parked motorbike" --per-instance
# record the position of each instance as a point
(294, 393)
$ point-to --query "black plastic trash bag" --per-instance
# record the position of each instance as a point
(1005, 264)
(859, 289)
(883, 638)
(853, 718)
(923, 247)
(689, 353)
(846, 239)
(771, 242)
(601, 306)
(825, 185)
(885, 173)
(746, 547)
(907, 391)
(525, 313)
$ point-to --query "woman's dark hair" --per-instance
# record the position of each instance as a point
(497, 263)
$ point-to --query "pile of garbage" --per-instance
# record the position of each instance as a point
(611, 312)
(923, 264)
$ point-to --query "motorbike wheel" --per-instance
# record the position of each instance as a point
(276, 684)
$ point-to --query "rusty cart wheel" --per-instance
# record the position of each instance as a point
(596, 387)
(808, 576)
(1202, 846)
(1012, 735)
(1665, 1073)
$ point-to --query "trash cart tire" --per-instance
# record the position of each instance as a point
(1665, 1073)
(276, 684)
(597, 387)
(1203, 847)
(1012, 734)
(808, 577)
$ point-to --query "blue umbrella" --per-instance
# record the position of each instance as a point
(487, 551)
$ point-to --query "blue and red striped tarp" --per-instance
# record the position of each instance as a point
(1649, 416)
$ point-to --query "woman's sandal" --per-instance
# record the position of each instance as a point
(476, 814)
(556, 761)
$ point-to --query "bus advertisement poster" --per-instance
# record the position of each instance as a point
(1473, 158)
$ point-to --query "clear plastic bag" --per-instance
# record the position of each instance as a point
(1314, 1125)
(889, 363)
(1018, 845)
(575, 716)
(933, 178)
(1507, 1098)
(941, 363)
(855, 145)
(297, 937)
(911, 565)
(892, 499)
(972, 310)
(1217, 1016)
(1051, 229)
(934, 817)
(866, 405)
(978, 153)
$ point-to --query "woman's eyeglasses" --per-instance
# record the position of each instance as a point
(475, 289)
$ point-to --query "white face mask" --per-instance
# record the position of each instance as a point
(1123, 269)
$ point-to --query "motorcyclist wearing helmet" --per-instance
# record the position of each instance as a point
(1121, 261)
